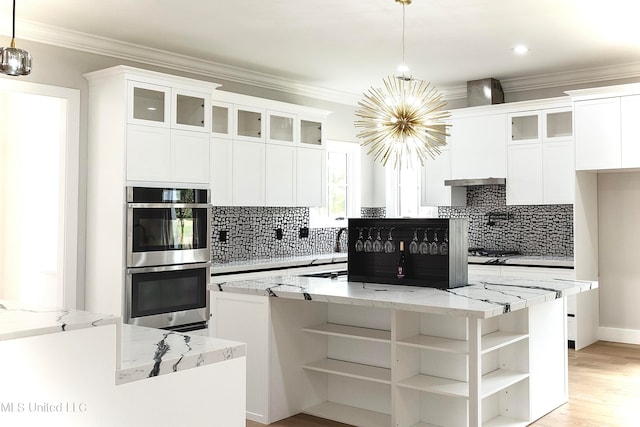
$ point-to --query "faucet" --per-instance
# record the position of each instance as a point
(336, 248)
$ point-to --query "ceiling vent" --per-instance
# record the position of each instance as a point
(484, 92)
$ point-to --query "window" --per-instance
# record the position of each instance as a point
(343, 183)
(403, 193)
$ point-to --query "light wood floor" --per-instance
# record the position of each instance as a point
(604, 390)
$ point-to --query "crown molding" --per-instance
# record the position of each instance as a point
(84, 42)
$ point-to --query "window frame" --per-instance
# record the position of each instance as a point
(353, 199)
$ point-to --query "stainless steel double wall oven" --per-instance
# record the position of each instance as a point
(168, 257)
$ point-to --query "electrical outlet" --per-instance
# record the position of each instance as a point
(279, 233)
(304, 232)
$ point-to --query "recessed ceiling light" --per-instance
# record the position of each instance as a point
(521, 49)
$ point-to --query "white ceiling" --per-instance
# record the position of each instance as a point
(344, 47)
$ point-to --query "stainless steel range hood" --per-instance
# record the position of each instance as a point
(478, 181)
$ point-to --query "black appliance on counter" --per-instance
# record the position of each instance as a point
(168, 258)
(436, 251)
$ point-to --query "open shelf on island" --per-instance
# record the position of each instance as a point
(501, 421)
(349, 414)
(498, 339)
(351, 370)
(347, 331)
(427, 342)
(491, 383)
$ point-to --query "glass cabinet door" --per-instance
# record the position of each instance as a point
(221, 115)
(558, 124)
(191, 110)
(525, 127)
(311, 132)
(148, 104)
(280, 127)
(249, 123)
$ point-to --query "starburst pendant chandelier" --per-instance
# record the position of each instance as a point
(403, 120)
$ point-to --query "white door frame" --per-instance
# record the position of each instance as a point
(68, 261)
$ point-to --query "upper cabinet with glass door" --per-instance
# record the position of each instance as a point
(312, 132)
(249, 123)
(191, 110)
(281, 128)
(525, 127)
(149, 104)
(557, 124)
(221, 119)
(163, 106)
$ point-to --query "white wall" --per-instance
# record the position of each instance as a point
(619, 255)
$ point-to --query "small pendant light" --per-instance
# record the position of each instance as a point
(14, 61)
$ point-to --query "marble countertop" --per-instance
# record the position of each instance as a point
(19, 320)
(331, 258)
(277, 262)
(148, 352)
(524, 260)
(484, 297)
(145, 352)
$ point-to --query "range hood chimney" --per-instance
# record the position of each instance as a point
(471, 182)
(484, 92)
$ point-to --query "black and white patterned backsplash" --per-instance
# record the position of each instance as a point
(532, 229)
(251, 234)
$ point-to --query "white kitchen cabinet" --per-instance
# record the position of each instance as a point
(280, 175)
(220, 172)
(558, 172)
(540, 158)
(246, 318)
(433, 191)
(249, 123)
(148, 104)
(597, 134)
(148, 153)
(540, 173)
(311, 131)
(630, 131)
(221, 119)
(190, 110)
(156, 154)
(189, 157)
(525, 126)
(311, 177)
(247, 173)
(281, 128)
(478, 146)
(524, 174)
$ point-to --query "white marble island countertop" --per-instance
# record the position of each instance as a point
(148, 352)
(484, 297)
(18, 320)
(144, 352)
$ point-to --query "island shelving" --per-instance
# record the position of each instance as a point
(492, 353)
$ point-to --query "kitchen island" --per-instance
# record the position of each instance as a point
(491, 353)
(62, 367)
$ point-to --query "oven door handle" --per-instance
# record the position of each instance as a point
(161, 268)
(168, 205)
